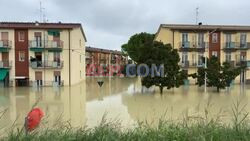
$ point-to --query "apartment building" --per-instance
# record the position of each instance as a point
(41, 54)
(230, 43)
(104, 58)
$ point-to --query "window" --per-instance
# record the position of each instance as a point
(185, 42)
(5, 38)
(184, 37)
(243, 40)
(215, 53)
(200, 59)
(184, 57)
(228, 56)
(21, 36)
(214, 38)
(56, 56)
(194, 59)
(21, 56)
(201, 40)
(228, 38)
(38, 39)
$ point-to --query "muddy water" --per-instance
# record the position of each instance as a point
(118, 98)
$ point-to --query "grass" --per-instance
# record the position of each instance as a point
(198, 130)
(164, 132)
(189, 129)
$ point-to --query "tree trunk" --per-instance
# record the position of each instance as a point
(218, 89)
(161, 90)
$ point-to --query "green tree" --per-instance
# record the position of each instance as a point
(138, 47)
(219, 76)
(144, 50)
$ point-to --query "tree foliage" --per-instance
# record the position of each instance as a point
(144, 50)
(219, 76)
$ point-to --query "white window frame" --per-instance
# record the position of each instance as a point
(20, 57)
(19, 36)
(215, 38)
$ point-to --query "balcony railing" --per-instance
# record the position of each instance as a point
(230, 44)
(45, 45)
(244, 46)
(5, 45)
(193, 46)
(5, 64)
(46, 64)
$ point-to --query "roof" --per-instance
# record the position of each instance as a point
(206, 27)
(93, 49)
(37, 25)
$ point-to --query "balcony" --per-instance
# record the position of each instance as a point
(5, 64)
(244, 46)
(46, 64)
(5, 45)
(241, 63)
(40, 46)
(193, 46)
(230, 46)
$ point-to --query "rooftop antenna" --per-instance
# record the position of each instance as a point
(197, 15)
(42, 13)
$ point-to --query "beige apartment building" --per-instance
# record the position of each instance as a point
(230, 43)
(41, 54)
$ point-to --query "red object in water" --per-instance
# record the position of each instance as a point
(33, 119)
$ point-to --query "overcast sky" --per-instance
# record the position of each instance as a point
(109, 23)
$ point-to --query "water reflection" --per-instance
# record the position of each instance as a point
(119, 98)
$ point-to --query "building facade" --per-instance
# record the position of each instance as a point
(104, 58)
(41, 54)
(229, 43)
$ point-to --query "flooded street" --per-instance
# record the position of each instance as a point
(119, 99)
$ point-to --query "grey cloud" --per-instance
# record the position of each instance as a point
(109, 23)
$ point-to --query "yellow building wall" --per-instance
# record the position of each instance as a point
(77, 56)
(77, 51)
(166, 35)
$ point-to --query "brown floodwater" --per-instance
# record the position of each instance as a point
(120, 99)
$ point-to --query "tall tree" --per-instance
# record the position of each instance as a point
(219, 76)
(144, 50)
(138, 46)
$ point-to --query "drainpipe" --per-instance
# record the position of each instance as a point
(69, 59)
(173, 38)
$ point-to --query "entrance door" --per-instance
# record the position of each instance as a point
(39, 78)
(57, 77)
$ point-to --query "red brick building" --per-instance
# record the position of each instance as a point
(104, 58)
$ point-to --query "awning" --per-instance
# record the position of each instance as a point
(3, 74)
(54, 32)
